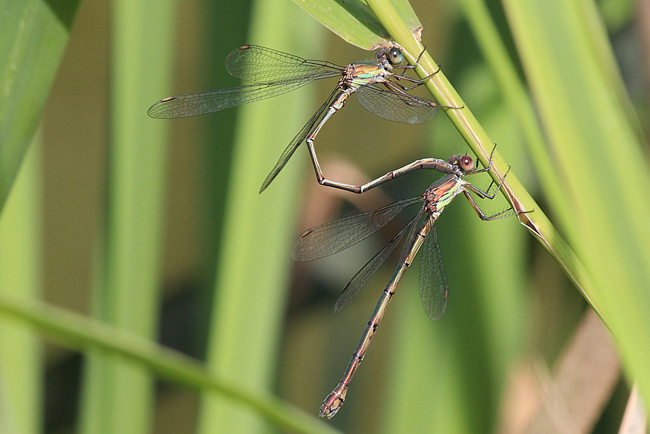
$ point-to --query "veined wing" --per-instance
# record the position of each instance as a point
(433, 280)
(396, 106)
(297, 140)
(333, 237)
(367, 271)
(261, 65)
(412, 237)
(200, 103)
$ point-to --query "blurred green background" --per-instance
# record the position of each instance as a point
(156, 227)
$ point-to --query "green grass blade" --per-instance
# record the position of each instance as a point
(494, 50)
(119, 397)
(355, 22)
(33, 35)
(254, 257)
(87, 334)
(588, 124)
(20, 277)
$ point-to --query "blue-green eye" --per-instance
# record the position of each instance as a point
(395, 56)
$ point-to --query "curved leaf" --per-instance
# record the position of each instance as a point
(34, 35)
(355, 22)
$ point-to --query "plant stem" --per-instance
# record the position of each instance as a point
(528, 212)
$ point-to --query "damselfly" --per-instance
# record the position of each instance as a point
(420, 232)
(271, 73)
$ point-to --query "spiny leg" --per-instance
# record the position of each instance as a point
(506, 213)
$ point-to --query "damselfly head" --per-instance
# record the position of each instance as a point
(393, 55)
(464, 162)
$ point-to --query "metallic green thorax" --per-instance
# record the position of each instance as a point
(365, 73)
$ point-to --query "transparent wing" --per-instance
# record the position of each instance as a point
(395, 106)
(333, 237)
(271, 73)
(433, 280)
(412, 237)
(200, 103)
(367, 271)
(260, 65)
(296, 141)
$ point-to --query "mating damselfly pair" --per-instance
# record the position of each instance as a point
(271, 73)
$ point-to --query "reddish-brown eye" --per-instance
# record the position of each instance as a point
(466, 163)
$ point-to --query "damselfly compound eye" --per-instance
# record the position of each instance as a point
(395, 56)
(466, 163)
